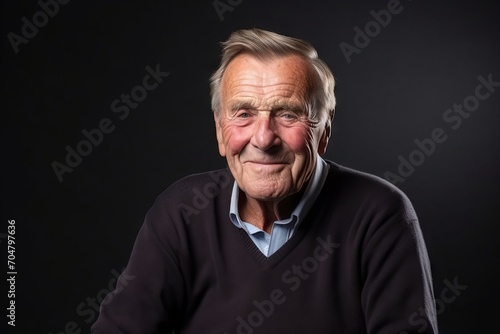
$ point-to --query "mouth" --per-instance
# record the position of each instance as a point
(266, 166)
(266, 162)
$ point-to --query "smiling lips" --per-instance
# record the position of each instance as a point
(267, 166)
(267, 162)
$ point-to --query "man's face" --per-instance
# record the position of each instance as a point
(263, 129)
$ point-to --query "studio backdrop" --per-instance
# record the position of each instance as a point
(105, 103)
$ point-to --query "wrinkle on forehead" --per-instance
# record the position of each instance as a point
(266, 83)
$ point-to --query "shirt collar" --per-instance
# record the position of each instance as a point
(308, 198)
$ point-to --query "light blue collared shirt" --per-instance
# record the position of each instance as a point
(282, 230)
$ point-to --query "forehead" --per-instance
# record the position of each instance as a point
(286, 76)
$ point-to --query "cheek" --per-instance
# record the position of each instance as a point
(235, 139)
(300, 140)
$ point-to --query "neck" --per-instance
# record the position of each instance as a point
(263, 214)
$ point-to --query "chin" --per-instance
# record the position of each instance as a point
(268, 193)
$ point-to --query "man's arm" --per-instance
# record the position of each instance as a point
(398, 293)
(142, 301)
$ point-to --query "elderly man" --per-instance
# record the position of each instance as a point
(285, 242)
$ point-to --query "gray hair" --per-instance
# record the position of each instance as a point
(265, 44)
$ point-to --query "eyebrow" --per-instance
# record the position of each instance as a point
(277, 105)
(240, 104)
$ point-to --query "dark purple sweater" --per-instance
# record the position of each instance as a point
(356, 264)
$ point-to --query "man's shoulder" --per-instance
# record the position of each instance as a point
(209, 184)
(189, 196)
(365, 188)
(357, 177)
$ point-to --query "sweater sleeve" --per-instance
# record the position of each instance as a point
(142, 302)
(397, 295)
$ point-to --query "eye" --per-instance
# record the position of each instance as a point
(243, 114)
(243, 117)
(289, 116)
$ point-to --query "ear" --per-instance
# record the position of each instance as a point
(325, 137)
(218, 131)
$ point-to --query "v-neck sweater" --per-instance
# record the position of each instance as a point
(356, 264)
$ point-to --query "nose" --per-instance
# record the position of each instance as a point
(265, 135)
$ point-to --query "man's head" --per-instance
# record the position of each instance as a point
(273, 102)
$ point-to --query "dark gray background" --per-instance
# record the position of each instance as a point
(72, 236)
